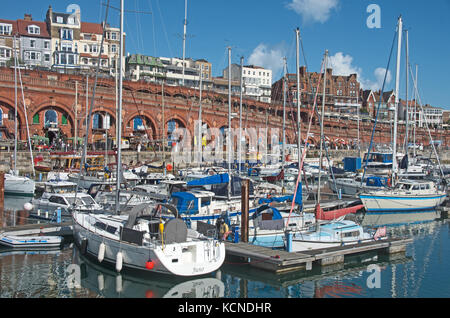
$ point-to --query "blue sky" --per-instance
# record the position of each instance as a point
(263, 32)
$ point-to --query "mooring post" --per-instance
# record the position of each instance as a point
(58, 215)
(2, 189)
(244, 210)
(288, 241)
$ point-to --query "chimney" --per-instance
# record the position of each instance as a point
(27, 17)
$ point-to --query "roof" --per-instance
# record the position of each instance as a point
(14, 25)
(23, 28)
(93, 28)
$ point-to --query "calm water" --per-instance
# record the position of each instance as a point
(421, 272)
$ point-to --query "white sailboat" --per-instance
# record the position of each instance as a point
(404, 197)
(15, 184)
(144, 241)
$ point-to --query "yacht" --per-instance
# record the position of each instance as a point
(63, 195)
(141, 240)
(19, 185)
(406, 196)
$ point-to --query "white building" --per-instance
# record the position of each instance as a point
(430, 115)
(257, 81)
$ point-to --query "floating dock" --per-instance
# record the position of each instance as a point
(59, 229)
(279, 261)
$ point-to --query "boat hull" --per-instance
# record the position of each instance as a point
(19, 186)
(379, 203)
(173, 259)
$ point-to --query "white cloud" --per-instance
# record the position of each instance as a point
(343, 65)
(314, 10)
(269, 58)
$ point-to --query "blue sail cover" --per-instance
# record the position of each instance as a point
(214, 179)
(298, 197)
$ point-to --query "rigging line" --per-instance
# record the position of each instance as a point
(138, 29)
(300, 164)
(164, 28)
(428, 128)
(126, 11)
(378, 109)
(153, 28)
(88, 121)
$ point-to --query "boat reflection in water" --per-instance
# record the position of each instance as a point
(106, 282)
(398, 219)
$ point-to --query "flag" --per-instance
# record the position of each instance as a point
(381, 232)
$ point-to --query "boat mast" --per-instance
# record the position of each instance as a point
(321, 123)
(240, 115)
(184, 36)
(397, 84)
(119, 117)
(15, 106)
(200, 122)
(407, 104)
(415, 115)
(283, 150)
(299, 138)
(229, 123)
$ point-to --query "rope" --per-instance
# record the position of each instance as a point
(378, 109)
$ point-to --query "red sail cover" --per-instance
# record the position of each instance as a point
(334, 214)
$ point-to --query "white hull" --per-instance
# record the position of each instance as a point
(385, 202)
(190, 258)
(17, 185)
(298, 246)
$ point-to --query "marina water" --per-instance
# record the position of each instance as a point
(64, 273)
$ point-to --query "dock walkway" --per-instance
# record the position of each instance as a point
(281, 261)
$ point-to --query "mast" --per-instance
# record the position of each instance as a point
(15, 106)
(75, 144)
(240, 115)
(229, 123)
(407, 104)
(163, 127)
(397, 84)
(199, 141)
(119, 117)
(299, 139)
(415, 115)
(321, 123)
(283, 149)
(184, 35)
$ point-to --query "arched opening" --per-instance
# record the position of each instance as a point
(50, 119)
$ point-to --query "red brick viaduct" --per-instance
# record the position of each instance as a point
(54, 91)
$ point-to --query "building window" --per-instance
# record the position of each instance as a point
(113, 36)
(5, 29)
(66, 34)
(59, 19)
(32, 29)
(113, 48)
(46, 44)
(32, 43)
(5, 53)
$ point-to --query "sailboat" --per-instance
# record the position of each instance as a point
(336, 232)
(140, 239)
(406, 196)
(15, 184)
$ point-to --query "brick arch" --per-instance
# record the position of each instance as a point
(146, 115)
(9, 104)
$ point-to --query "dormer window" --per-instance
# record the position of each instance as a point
(59, 19)
(34, 29)
(5, 29)
(71, 20)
